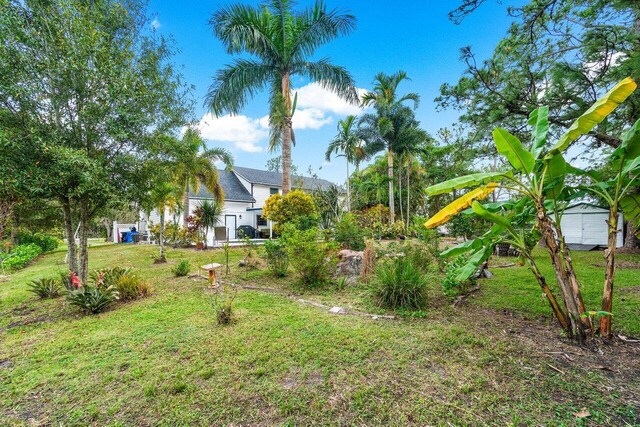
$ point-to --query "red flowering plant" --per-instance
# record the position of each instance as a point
(92, 298)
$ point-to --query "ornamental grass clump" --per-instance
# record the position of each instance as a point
(398, 283)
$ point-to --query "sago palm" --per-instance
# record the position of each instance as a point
(382, 127)
(195, 166)
(349, 144)
(282, 42)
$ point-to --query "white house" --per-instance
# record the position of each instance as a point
(586, 224)
(246, 191)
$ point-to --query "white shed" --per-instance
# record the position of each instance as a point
(586, 224)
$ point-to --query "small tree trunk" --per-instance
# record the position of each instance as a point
(83, 266)
(609, 272)
(392, 208)
(286, 134)
(162, 258)
(631, 239)
(14, 227)
(72, 250)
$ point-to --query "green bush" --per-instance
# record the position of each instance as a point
(277, 257)
(349, 234)
(45, 287)
(46, 242)
(313, 260)
(182, 268)
(20, 256)
(397, 283)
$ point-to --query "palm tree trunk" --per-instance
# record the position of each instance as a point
(609, 272)
(348, 189)
(185, 207)
(400, 190)
(392, 209)
(286, 135)
(162, 258)
(408, 193)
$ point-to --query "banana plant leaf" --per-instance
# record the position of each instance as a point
(595, 114)
(630, 205)
(475, 244)
(630, 146)
(494, 218)
(460, 204)
(511, 147)
(632, 167)
(539, 120)
(464, 182)
(475, 261)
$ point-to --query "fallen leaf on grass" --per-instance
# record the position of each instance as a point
(584, 413)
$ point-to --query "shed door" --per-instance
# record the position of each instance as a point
(231, 224)
(571, 225)
(594, 228)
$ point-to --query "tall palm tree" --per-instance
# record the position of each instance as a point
(195, 166)
(382, 129)
(350, 145)
(283, 41)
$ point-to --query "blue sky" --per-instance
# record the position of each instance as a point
(414, 36)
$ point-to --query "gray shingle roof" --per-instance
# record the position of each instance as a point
(274, 179)
(234, 191)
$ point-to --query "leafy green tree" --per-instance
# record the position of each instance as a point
(350, 145)
(88, 122)
(384, 129)
(194, 165)
(283, 41)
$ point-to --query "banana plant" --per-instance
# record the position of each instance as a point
(537, 179)
(619, 193)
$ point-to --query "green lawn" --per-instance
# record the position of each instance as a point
(163, 360)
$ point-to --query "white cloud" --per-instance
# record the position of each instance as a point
(244, 132)
(315, 96)
(310, 118)
(155, 24)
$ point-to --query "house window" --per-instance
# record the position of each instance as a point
(262, 221)
(273, 191)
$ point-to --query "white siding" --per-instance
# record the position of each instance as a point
(587, 225)
(261, 193)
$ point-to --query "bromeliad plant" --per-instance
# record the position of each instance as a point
(537, 181)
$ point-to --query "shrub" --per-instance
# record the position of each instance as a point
(20, 256)
(222, 303)
(91, 298)
(182, 269)
(131, 286)
(277, 257)
(348, 233)
(124, 280)
(45, 287)
(374, 222)
(46, 242)
(296, 206)
(311, 259)
(397, 283)
(451, 285)
(421, 255)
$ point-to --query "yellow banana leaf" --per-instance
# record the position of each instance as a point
(596, 114)
(460, 204)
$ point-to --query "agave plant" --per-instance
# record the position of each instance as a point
(537, 180)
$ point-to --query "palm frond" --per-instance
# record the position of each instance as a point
(234, 85)
(331, 77)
